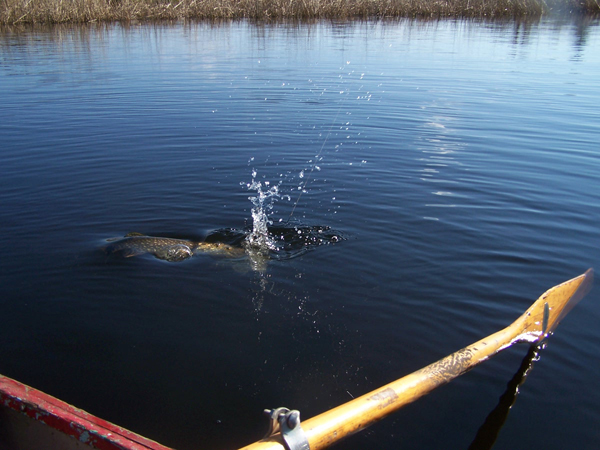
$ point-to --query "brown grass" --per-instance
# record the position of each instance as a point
(79, 11)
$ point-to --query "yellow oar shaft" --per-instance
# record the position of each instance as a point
(539, 320)
(325, 429)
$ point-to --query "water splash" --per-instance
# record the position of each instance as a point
(267, 241)
(259, 238)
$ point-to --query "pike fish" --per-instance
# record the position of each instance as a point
(168, 249)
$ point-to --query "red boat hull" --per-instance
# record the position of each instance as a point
(31, 419)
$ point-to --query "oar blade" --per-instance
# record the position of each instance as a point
(542, 318)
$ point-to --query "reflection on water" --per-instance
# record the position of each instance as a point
(441, 147)
(489, 430)
(21, 43)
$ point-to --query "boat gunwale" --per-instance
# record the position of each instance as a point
(69, 420)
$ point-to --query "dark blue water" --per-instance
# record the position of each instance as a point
(457, 161)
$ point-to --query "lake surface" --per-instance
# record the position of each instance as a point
(453, 166)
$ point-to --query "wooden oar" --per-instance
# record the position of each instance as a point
(533, 326)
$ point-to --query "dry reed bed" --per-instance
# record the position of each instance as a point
(79, 11)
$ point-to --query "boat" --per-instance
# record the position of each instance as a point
(32, 420)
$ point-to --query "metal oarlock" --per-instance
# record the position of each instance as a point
(287, 422)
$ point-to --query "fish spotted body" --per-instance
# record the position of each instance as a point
(168, 249)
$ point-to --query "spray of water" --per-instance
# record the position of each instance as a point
(262, 203)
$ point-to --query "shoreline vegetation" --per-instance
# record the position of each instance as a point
(13, 12)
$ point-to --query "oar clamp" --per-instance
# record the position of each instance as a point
(287, 422)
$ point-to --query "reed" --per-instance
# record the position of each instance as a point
(81, 11)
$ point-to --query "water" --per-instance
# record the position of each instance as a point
(427, 181)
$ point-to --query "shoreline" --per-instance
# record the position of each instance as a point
(20, 12)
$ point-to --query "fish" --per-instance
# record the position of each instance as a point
(168, 249)
(220, 249)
